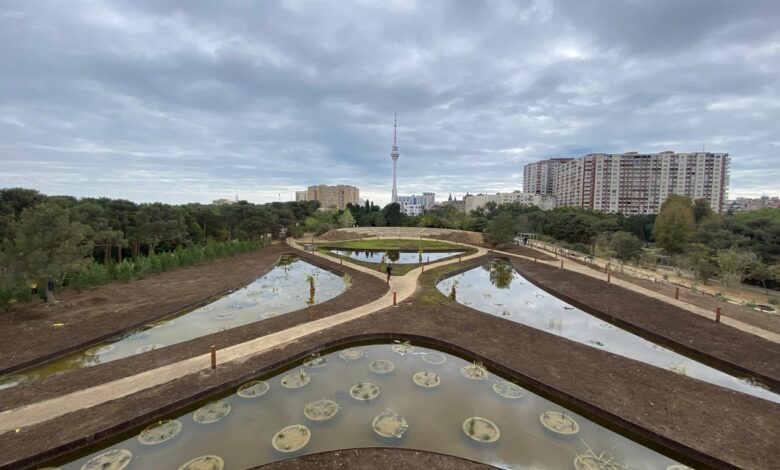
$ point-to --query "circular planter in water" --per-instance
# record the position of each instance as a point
(751, 382)
(278, 305)
(559, 423)
(321, 410)
(381, 366)
(160, 432)
(204, 462)
(508, 389)
(253, 389)
(434, 358)
(315, 361)
(403, 348)
(598, 344)
(116, 459)
(655, 347)
(351, 354)
(296, 379)
(681, 369)
(294, 296)
(605, 326)
(475, 371)
(481, 429)
(426, 379)
(212, 412)
(267, 315)
(148, 347)
(591, 461)
(204, 309)
(291, 439)
(389, 424)
(100, 350)
(224, 316)
(364, 391)
(12, 381)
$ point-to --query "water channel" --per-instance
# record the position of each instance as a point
(498, 289)
(398, 395)
(283, 289)
(395, 256)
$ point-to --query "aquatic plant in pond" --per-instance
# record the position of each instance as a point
(390, 424)
(296, 379)
(160, 432)
(559, 423)
(475, 371)
(292, 438)
(204, 462)
(364, 391)
(481, 429)
(253, 389)
(321, 410)
(381, 366)
(485, 289)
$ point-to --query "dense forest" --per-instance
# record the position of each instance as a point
(84, 242)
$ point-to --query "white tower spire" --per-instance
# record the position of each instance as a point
(394, 155)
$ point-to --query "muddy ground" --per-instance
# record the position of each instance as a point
(690, 420)
(379, 457)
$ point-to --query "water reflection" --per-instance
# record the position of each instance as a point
(344, 404)
(395, 256)
(496, 288)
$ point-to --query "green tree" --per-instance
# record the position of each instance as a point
(346, 219)
(701, 209)
(157, 222)
(47, 245)
(392, 214)
(735, 266)
(501, 230)
(627, 247)
(675, 224)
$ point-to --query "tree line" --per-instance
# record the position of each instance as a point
(48, 241)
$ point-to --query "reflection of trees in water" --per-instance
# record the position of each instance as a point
(501, 273)
(393, 255)
(286, 260)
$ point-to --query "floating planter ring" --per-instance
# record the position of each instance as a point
(751, 382)
(116, 459)
(160, 432)
(204, 309)
(204, 462)
(212, 412)
(508, 389)
(434, 358)
(296, 379)
(364, 391)
(559, 423)
(315, 361)
(148, 347)
(321, 410)
(597, 343)
(291, 438)
(351, 354)
(389, 424)
(481, 429)
(605, 326)
(225, 316)
(253, 389)
(403, 348)
(475, 371)
(381, 366)
(270, 314)
(100, 350)
(426, 379)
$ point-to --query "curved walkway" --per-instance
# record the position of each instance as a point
(35, 413)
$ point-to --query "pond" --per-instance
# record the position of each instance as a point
(344, 405)
(498, 289)
(395, 256)
(284, 289)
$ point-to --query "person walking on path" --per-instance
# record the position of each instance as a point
(389, 270)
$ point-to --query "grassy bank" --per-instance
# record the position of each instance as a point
(389, 244)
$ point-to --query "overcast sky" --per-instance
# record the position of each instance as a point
(188, 101)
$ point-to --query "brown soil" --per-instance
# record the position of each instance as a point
(529, 252)
(379, 457)
(687, 418)
(97, 314)
(658, 321)
(365, 288)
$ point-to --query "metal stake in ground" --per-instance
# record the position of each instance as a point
(717, 314)
(676, 293)
(213, 356)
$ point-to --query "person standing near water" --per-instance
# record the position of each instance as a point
(389, 270)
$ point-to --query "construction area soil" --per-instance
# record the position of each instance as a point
(379, 457)
(690, 334)
(365, 288)
(695, 422)
(525, 251)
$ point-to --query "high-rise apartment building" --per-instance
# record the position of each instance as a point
(330, 197)
(638, 183)
(538, 176)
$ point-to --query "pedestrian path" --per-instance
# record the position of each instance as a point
(35, 413)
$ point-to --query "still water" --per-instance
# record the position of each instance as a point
(284, 289)
(498, 289)
(395, 256)
(426, 415)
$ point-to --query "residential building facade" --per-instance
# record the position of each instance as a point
(638, 183)
(477, 201)
(416, 205)
(223, 202)
(538, 177)
(744, 204)
(330, 197)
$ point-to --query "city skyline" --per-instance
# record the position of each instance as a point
(148, 102)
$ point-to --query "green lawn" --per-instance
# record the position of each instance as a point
(389, 244)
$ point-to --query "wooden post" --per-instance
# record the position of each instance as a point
(561, 264)
(394, 299)
(423, 267)
(534, 259)
(606, 268)
(213, 356)
(341, 260)
(717, 314)
(556, 255)
(676, 293)
(609, 276)
(459, 259)
(311, 316)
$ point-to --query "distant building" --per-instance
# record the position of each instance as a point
(330, 197)
(477, 201)
(416, 205)
(743, 204)
(223, 202)
(538, 177)
(459, 205)
(637, 183)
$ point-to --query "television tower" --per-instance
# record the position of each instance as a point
(394, 155)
